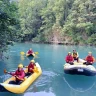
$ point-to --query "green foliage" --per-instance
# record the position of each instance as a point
(67, 21)
(49, 20)
(8, 23)
(30, 17)
(81, 19)
(92, 39)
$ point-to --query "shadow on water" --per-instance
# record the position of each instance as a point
(85, 83)
(30, 57)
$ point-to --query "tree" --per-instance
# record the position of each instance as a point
(74, 19)
(7, 23)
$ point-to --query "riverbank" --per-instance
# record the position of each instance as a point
(58, 43)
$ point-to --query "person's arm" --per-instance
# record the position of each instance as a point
(26, 66)
(13, 73)
(77, 54)
(85, 59)
(32, 51)
(72, 54)
(93, 59)
(27, 52)
(72, 59)
(34, 64)
(66, 59)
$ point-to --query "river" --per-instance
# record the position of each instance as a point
(53, 81)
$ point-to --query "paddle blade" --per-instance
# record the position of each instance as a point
(36, 70)
(33, 54)
(5, 71)
(36, 53)
(22, 53)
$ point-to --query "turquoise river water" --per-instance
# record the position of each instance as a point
(53, 81)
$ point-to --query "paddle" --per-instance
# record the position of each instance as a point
(34, 54)
(35, 69)
(5, 71)
(23, 53)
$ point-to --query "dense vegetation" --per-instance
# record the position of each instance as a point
(59, 21)
(8, 24)
(49, 21)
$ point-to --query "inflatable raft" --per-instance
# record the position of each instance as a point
(24, 85)
(80, 68)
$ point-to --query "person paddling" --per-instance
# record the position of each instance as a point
(75, 55)
(89, 59)
(19, 75)
(30, 51)
(69, 59)
(31, 67)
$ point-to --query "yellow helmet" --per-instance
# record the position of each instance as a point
(20, 66)
(90, 52)
(69, 52)
(33, 61)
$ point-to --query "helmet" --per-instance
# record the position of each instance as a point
(69, 52)
(30, 48)
(33, 61)
(90, 52)
(20, 66)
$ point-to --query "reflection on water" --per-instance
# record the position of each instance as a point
(84, 83)
(22, 57)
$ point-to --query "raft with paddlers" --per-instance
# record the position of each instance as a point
(80, 68)
(30, 53)
(28, 80)
(33, 54)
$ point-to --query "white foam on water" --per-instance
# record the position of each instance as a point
(39, 94)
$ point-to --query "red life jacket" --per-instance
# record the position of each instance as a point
(69, 58)
(30, 52)
(31, 65)
(20, 74)
(89, 59)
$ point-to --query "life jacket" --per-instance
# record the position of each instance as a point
(74, 54)
(90, 59)
(30, 52)
(19, 73)
(69, 58)
(31, 65)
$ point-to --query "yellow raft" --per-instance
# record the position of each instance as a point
(23, 86)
